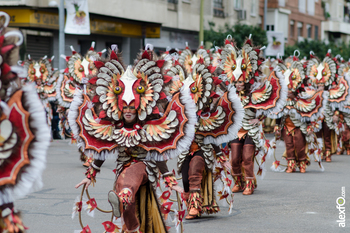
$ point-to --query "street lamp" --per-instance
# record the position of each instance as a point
(61, 39)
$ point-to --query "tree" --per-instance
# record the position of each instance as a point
(320, 49)
(239, 32)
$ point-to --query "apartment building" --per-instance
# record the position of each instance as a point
(336, 27)
(129, 23)
(297, 19)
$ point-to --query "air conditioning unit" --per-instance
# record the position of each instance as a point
(242, 14)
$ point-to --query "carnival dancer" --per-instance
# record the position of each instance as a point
(339, 106)
(322, 75)
(43, 75)
(129, 112)
(260, 96)
(294, 123)
(24, 139)
(219, 115)
(76, 75)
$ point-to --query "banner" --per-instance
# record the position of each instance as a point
(77, 21)
(275, 43)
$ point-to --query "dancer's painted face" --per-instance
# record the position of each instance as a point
(239, 85)
(129, 114)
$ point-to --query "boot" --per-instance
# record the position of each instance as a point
(249, 188)
(238, 187)
(248, 161)
(291, 166)
(193, 214)
(302, 166)
(328, 156)
(195, 205)
(236, 158)
(113, 200)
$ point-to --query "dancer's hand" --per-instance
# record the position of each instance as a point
(335, 119)
(177, 188)
(84, 181)
(254, 121)
(290, 95)
(227, 165)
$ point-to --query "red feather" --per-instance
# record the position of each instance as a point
(146, 55)
(160, 63)
(167, 78)
(162, 95)
(95, 99)
(214, 95)
(248, 42)
(155, 110)
(99, 64)
(251, 81)
(102, 114)
(217, 81)
(5, 69)
(256, 73)
(227, 41)
(74, 52)
(259, 62)
(93, 80)
(67, 58)
(6, 48)
(114, 56)
(211, 69)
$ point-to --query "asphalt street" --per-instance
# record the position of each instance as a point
(282, 202)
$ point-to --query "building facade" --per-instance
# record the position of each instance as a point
(129, 23)
(336, 27)
(298, 20)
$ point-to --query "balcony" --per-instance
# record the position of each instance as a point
(336, 26)
(172, 5)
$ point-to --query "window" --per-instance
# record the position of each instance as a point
(302, 5)
(291, 28)
(282, 3)
(238, 4)
(316, 32)
(311, 7)
(300, 29)
(309, 28)
(270, 27)
(253, 7)
(218, 9)
(172, 5)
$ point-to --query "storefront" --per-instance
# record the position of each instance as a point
(40, 30)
